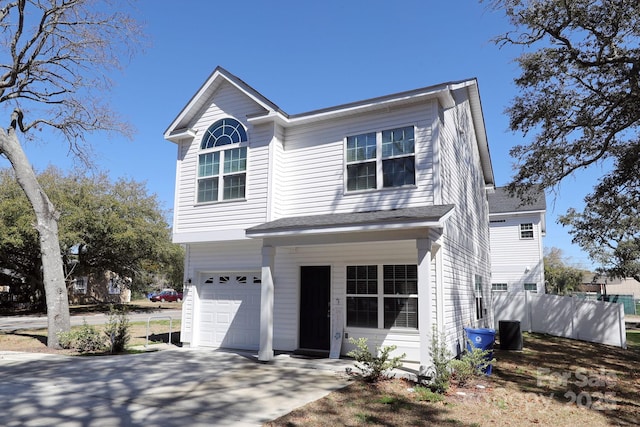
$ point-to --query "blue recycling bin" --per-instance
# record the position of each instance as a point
(482, 338)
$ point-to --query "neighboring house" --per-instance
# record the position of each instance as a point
(99, 288)
(601, 287)
(602, 284)
(517, 228)
(369, 218)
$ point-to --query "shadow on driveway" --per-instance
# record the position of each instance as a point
(174, 387)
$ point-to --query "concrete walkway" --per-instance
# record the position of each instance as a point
(172, 387)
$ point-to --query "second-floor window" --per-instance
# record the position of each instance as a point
(222, 162)
(526, 231)
(381, 159)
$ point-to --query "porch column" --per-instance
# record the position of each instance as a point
(425, 300)
(265, 353)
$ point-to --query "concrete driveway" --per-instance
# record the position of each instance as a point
(173, 387)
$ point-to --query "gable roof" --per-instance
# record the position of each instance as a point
(178, 129)
(501, 201)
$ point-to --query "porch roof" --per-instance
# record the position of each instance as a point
(416, 217)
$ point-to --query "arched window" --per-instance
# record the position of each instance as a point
(223, 132)
(222, 173)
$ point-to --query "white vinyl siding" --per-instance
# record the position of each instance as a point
(287, 267)
(514, 260)
(466, 244)
(301, 170)
(311, 171)
(190, 218)
(206, 259)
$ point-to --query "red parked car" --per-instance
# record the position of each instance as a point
(167, 296)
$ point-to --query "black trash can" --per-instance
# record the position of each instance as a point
(510, 335)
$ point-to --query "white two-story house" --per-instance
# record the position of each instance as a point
(517, 251)
(368, 219)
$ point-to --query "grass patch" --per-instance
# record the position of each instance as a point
(425, 394)
(35, 340)
(633, 338)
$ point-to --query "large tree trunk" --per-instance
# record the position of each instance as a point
(47, 227)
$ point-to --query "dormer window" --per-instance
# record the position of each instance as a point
(222, 164)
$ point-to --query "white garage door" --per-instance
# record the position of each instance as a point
(230, 311)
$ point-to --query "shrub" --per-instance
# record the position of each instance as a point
(440, 373)
(117, 330)
(66, 339)
(472, 363)
(85, 340)
(373, 367)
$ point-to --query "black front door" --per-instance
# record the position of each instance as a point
(315, 291)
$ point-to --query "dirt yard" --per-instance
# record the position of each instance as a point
(552, 382)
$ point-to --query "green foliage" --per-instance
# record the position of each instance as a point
(426, 394)
(560, 278)
(86, 339)
(103, 226)
(472, 363)
(373, 366)
(579, 101)
(117, 330)
(441, 356)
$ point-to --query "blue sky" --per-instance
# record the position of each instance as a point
(305, 55)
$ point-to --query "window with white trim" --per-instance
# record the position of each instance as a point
(382, 159)
(526, 231)
(479, 297)
(382, 296)
(222, 162)
(80, 285)
(532, 287)
(499, 287)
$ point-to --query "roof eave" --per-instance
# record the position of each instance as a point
(215, 79)
(442, 93)
(179, 134)
(481, 132)
(439, 224)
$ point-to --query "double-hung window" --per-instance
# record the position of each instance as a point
(381, 159)
(526, 231)
(382, 296)
(222, 162)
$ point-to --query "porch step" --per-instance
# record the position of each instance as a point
(312, 353)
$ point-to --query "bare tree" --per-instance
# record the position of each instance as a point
(58, 55)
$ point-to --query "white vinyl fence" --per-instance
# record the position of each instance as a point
(569, 317)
